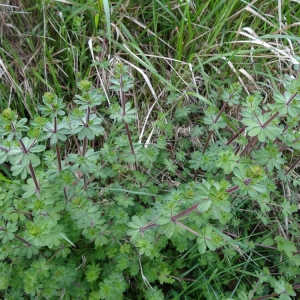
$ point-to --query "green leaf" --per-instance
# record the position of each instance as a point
(38, 148)
(170, 230)
(204, 205)
(254, 131)
(259, 188)
(171, 167)
(201, 245)
(7, 231)
(268, 242)
(137, 222)
(285, 246)
(163, 220)
(210, 245)
(251, 122)
(182, 112)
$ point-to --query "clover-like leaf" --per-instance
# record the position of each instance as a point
(128, 116)
(286, 104)
(260, 126)
(137, 229)
(285, 246)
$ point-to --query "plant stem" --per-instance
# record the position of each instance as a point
(292, 166)
(84, 146)
(207, 141)
(57, 146)
(235, 135)
(291, 99)
(295, 287)
(187, 228)
(185, 212)
(130, 143)
(37, 186)
(58, 157)
(31, 169)
(148, 226)
(28, 244)
(215, 121)
(221, 110)
(251, 149)
(25, 151)
(123, 103)
(251, 143)
(193, 207)
(195, 175)
(85, 140)
(267, 296)
(270, 120)
(233, 189)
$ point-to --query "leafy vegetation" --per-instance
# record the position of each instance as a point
(149, 150)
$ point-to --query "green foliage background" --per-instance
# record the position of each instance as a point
(149, 149)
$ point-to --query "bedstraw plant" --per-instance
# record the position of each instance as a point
(88, 211)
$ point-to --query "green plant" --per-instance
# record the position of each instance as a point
(169, 182)
(90, 219)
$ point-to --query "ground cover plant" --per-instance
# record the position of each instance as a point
(149, 150)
